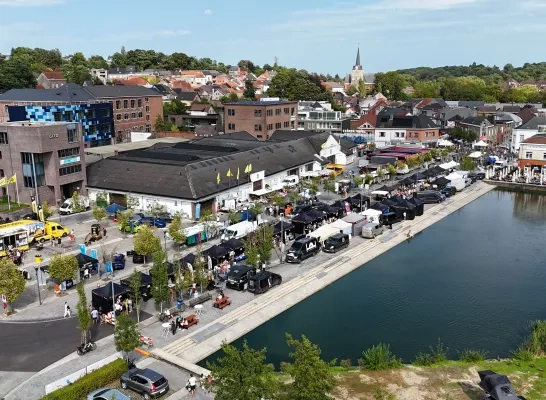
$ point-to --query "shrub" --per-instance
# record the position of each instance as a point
(92, 381)
(379, 357)
(346, 364)
(439, 353)
(383, 394)
(423, 360)
(522, 353)
(472, 356)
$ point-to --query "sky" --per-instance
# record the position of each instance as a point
(316, 35)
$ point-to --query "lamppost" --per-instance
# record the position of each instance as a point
(165, 242)
(38, 284)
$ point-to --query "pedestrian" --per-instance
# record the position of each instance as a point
(95, 315)
(5, 304)
(66, 310)
(52, 241)
(192, 383)
(103, 232)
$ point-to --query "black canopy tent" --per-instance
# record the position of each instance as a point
(302, 221)
(84, 259)
(145, 284)
(359, 201)
(441, 181)
(331, 211)
(234, 245)
(187, 259)
(419, 205)
(419, 176)
(282, 226)
(341, 205)
(407, 181)
(406, 208)
(389, 202)
(102, 297)
(319, 215)
(384, 188)
(438, 170)
(380, 207)
(217, 254)
(398, 198)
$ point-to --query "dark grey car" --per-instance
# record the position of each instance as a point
(145, 381)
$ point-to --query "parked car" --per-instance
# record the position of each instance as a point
(472, 176)
(238, 276)
(145, 381)
(151, 221)
(468, 181)
(118, 261)
(480, 175)
(107, 394)
(372, 229)
(430, 196)
(336, 242)
(449, 191)
(302, 248)
(166, 216)
(262, 282)
(390, 218)
(133, 227)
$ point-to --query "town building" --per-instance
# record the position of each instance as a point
(319, 117)
(357, 74)
(50, 80)
(532, 152)
(483, 129)
(99, 73)
(47, 159)
(395, 129)
(523, 132)
(121, 73)
(260, 118)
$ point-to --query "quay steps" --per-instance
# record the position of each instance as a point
(179, 352)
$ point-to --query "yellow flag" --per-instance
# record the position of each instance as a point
(246, 169)
(218, 179)
(237, 173)
(249, 168)
(3, 181)
(229, 174)
(13, 179)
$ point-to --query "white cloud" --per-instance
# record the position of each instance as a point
(172, 33)
(30, 3)
(207, 12)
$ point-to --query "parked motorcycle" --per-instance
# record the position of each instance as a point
(86, 348)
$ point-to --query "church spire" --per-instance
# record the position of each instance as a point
(358, 57)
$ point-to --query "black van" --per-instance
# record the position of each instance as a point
(238, 276)
(262, 282)
(430, 196)
(337, 242)
(390, 218)
(302, 248)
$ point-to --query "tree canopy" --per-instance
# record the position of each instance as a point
(12, 282)
(297, 85)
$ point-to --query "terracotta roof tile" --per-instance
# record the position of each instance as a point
(53, 74)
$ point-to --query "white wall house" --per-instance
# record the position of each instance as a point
(523, 132)
(388, 136)
(331, 150)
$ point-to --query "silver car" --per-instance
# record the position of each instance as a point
(107, 394)
(149, 383)
(373, 229)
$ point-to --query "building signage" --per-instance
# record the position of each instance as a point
(257, 176)
(70, 160)
(55, 135)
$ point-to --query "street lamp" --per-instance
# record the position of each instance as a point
(38, 285)
(165, 241)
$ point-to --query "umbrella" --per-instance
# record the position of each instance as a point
(475, 154)
(114, 208)
(481, 143)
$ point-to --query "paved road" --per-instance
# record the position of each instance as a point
(30, 347)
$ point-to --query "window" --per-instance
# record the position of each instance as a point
(105, 129)
(3, 138)
(73, 136)
(287, 124)
(33, 165)
(125, 116)
(133, 115)
(278, 125)
(147, 108)
(141, 128)
(81, 115)
(68, 116)
(0, 155)
(528, 154)
(57, 116)
(292, 124)
(269, 113)
(92, 129)
(231, 126)
(133, 103)
(104, 112)
(146, 99)
(69, 152)
(277, 111)
(118, 104)
(269, 127)
(259, 136)
(257, 113)
(543, 156)
(90, 113)
(73, 169)
(286, 110)
(381, 134)
(521, 138)
(258, 128)
(139, 103)
(292, 111)
(118, 117)
(230, 112)
(147, 117)
(148, 128)
(125, 103)
(140, 114)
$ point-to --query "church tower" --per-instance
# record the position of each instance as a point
(357, 73)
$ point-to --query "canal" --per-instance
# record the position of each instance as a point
(473, 280)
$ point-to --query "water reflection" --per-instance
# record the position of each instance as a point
(528, 206)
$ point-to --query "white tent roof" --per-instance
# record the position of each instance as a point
(341, 225)
(380, 192)
(370, 212)
(353, 218)
(449, 165)
(481, 143)
(444, 143)
(454, 176)
(324, 232)
(476, 154)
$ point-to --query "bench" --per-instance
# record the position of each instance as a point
(192, 320)
(201, 299)
(145, 340)
(223, 302)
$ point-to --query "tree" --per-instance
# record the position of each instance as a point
(63, 267)
(234, 217)
(265, 243)
(250, 91)
(467, 164)
(391, 84)
(99, 213)
(135, 283)
(47, 210)
(77, 203)
(209, 223)
(329, 186)
(200, 268)
(391, 169)
(124, 219)
(15, 74)
(126, 335)
(97, 62)
(77, 70)
(156, 210)
(160, 279)
(400, 166)
(161, 125)
(132, 202)
(361, 88)
(175, 107)
(145, 242)
(251, 250)
(352, 90)
(12, 282)
(242, 375)
(84, 317)
(175, 230)
(296, 85)
(427, 89)
(313, 378)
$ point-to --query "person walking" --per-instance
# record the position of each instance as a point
(192, 384)
(103, 232)
(95, 315)
(66, 310)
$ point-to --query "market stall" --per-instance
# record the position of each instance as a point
(145, 284)
(356, 221)
(102, 297)
(342, 226)
(419, 206)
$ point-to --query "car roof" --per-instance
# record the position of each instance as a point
(305, 239)
(108, 393)
(239, 269)
(339, 235)
(150, 374)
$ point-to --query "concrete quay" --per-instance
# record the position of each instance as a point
(234, 324)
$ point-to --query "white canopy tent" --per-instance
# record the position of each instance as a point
(444, 143)
(343, 226)
(380, 192)
(323, 233)
(449, 165)
(476, 154)
(372, 215)
(481, 143)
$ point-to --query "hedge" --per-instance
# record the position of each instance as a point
(97, 379)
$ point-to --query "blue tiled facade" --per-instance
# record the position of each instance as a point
(97, 119)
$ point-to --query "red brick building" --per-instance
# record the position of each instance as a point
(260, 118)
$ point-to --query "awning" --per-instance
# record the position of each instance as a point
(481, 143)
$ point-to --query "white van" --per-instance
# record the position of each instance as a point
(238, 230)
(458, 184)
(291, 180)
(501, 163)
(67, 207)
